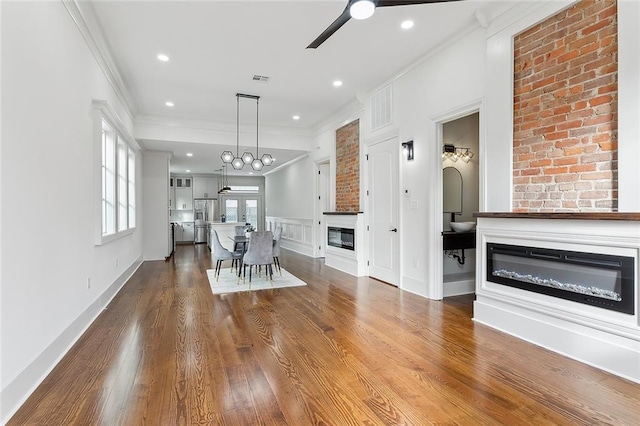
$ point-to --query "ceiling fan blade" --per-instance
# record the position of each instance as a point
(335, 26)
(384, 3)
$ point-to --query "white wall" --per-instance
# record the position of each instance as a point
(289, 191)
(49, 79)
(155, 196)
(443, 82)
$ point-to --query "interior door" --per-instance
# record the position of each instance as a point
(383, 198)
(323, 206)
(244, 209)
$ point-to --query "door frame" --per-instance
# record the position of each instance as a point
(319, 234)
(241, 205)
(435, 282)
(394, 134)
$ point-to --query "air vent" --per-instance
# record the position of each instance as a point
(381, 108)
(262, 78)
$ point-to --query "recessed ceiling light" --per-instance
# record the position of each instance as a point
(188, 171)
(337, 83)
(189, 154)
(296, 117)
(169, 103)
(407, 24)
(250, 173)
(162, 57)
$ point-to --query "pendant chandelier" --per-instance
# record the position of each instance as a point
(237, 161)
(225, 183)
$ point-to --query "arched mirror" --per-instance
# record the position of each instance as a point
(451, 190)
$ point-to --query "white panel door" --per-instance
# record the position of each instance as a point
(384, 239)
(323, 205)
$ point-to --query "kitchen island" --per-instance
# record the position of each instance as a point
(224, 230)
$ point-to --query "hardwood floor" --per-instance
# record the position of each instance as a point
(340, 351)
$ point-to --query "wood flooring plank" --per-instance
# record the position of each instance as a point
(340, 351)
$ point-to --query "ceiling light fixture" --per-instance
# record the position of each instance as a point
(225, 183)
(169, 103)
(337, 83)
(188, 171)
(189, 154)
(256, 162)
(362, 9)
(162, 57)
(296, 117)
(454, 153)
(406, 24)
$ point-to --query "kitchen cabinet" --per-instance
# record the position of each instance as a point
(182, 182)
(188, 232)
(205, 187)
(177, 228)
(184, 199)
(172, 198)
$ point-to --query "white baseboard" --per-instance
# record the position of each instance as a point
(615, 354)
(17, 392)
(458, 288)
(297, 246)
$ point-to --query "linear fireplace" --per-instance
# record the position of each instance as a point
(341, 237)
(601, 280)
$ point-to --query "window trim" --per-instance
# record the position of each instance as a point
(102, 111)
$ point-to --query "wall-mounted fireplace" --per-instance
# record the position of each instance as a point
(602, 280)
(341, 237)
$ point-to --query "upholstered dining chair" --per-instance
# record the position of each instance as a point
(220, 254)
(259, 252)
(277, 234)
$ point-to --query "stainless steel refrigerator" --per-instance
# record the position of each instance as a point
(206, 210)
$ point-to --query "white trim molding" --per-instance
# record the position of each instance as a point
(297, 234)
(82, 15)
(603, 338)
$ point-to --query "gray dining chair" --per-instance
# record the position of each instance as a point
(220, 254)
(277, 235)
(259, 253)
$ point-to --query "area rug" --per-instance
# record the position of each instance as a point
(228, 281)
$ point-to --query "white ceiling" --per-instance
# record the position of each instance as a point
(215, 48)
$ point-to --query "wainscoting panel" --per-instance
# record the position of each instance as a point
(297, 234)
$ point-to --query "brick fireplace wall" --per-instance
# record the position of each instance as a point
(348, 167)
(566, 111)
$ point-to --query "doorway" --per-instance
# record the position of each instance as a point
(460, 200)
(243, 209)
(384, 211)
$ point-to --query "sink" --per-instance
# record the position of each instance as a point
(462, 226)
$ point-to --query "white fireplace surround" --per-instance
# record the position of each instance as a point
(350, 261)
(603, 338)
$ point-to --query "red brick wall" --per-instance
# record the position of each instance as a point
(348, 167)
(566, 111)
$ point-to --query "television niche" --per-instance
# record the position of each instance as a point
(341, 237)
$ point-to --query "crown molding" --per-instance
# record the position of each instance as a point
(352, 110)
(84, 18)
(216, 126)
(287, 164)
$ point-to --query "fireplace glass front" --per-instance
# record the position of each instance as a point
(341, 237)
(599, 280)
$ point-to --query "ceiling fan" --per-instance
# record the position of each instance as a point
(363, 9)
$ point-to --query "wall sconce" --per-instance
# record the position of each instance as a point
(455, 153)
(407, 149)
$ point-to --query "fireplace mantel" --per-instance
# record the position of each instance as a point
(562, 215)
(603, 338)
(350, 261)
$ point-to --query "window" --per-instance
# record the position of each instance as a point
(231, 210)
(117, 181)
